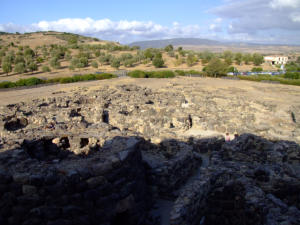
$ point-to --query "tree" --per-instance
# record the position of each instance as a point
(169, 48)
(20, 67)
(32, 66)
(29, 51)
(191, 59)
(54, 63)
(206, 56)
(228, 57)
(116, 63)
(257, 59)
(129, 62)
(6, 67)
(19, 59)
(84, 61)
(238, 58)
(149, 54)
(247, 58)
(158, 62)
(216, 68)
(94, 64)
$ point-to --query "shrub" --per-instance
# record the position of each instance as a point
(19, 59)
(20, 68)
(94, 64)
(32, 66)
(162, 74)
(158, 62)
(180, 72)
(40, 59)
(29, 82)
(65, 80)
(115, 63)
(84, 61)
(46, 69)
(129, 62)
(137, 74)
(6, 67)
(151, 74)
(257, 69)
(7, 84)
(291, 75)
(54, 63)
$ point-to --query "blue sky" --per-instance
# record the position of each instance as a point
(262, 21)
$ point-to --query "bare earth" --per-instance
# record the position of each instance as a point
(272, 105)
(284, 95)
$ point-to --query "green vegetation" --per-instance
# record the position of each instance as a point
(94, 64)
(20, 68)
(158, 61)
(258, 59)
(270, 78)
(151, 74)
(35, 81)
(6, 67)
(215, 68)
(257, 69)
(46, 69)
(188, 72)
(292, 75)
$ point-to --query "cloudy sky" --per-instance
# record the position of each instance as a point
(258, 21)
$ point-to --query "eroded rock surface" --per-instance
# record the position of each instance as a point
(108, 157)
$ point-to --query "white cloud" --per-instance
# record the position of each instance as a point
(123, 30)
(262, 19)
(276, 4)
(215, 27)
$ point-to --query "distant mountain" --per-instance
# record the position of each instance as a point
(174, 42)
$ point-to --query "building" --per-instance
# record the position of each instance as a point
(276, 60)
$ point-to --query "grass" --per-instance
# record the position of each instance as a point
(62, 80)
(151, 74)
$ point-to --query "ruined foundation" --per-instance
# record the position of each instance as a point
(88, 160)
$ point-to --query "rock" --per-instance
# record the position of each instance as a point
(29, 189)
(96, 181)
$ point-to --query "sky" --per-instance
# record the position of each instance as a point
(254, 21)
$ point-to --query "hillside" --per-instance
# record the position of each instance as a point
(45, 38)
(198, 44)
(55, 54)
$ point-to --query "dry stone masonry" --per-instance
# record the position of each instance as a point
(112, 156)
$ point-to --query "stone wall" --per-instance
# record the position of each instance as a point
(107, 187)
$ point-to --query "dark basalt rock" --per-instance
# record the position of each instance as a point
(16, 124)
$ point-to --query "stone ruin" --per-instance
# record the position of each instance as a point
(88, 160)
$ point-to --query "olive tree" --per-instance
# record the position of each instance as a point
(216, 68)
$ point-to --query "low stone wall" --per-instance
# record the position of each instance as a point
(191, 201)
(107, 188)
(167, 170)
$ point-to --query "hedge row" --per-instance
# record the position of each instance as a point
(270, 78)
(188, 72)
(151, 74)
(63, 80)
